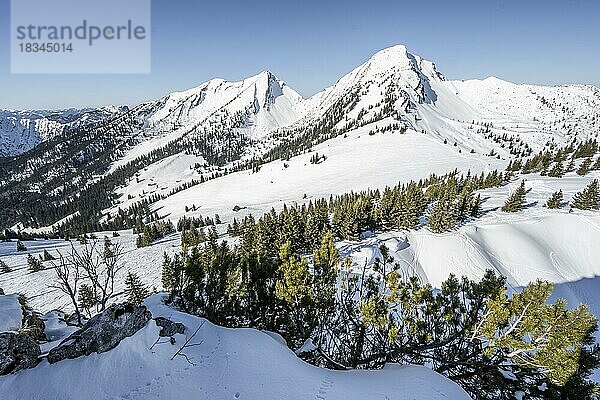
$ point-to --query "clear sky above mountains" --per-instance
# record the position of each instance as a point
(310, 44)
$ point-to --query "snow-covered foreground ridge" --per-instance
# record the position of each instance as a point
(223, 364)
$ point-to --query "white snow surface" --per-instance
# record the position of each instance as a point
(356, 162)
(227, 364)
(11, 314)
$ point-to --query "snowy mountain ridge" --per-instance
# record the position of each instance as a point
(222, 126)
(21, 131)
(412, 87)
(269, 102)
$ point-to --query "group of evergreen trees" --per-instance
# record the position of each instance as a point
(286, 275)
(153, 232)
(556, 163)
(450, 199)
(587, 199)
(472, 332)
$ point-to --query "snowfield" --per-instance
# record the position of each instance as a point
(146, 262)
(355, 162)
(224, 364)
(10, 313)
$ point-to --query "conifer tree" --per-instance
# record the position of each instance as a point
(34, 264)
(588, 198)
(173, 276)
(294, 287)
(516, 201)
(87, 298)
(555, 201)
(584, 168)
(47, 256)
(557, 171)
(465, 203)
(135, 290)
(476, 206)
(21, 246)
(4, 268)
(325, 262)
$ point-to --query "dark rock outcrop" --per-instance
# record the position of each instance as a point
(17, 352)
(102, 332)
(32, 324)
(168, 327)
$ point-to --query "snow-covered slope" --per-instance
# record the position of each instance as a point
(392, 91)
(21, 131)
(10, 313)
(355, 162)
(248, 110)
(224, 364)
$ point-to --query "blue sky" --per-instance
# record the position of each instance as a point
(310, 44)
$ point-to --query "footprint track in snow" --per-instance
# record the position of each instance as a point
(324, 388)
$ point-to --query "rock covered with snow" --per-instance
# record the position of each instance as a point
(169, 328)
(103, 332)
(31, 325)
(17, 352)
(10, 313)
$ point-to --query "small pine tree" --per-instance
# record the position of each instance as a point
(588, 198)
(476, 207)
(135, 290)
(4, 268)
(87, 298)
(555, 201)
(584, 168)
(21, 246)
(443, 216)
(48, 256)
(34, 264)
(516, 201)
(557, 171)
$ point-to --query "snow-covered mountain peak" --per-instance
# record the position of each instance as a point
(256, 105)
(389, 84)
(391, 58)
(398, 58)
